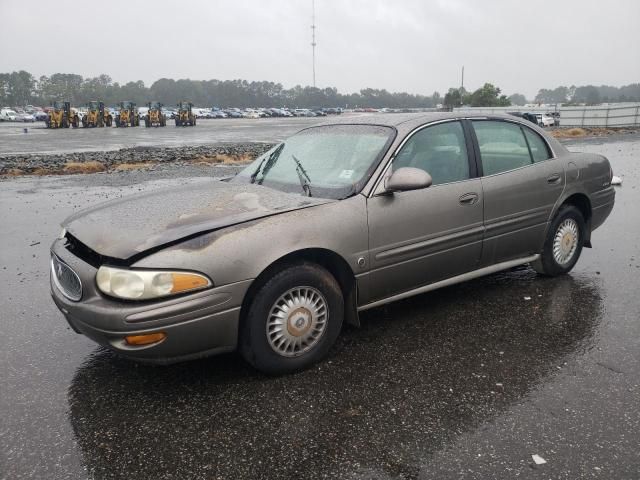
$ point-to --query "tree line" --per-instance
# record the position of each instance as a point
(589, 94)
(22, 88)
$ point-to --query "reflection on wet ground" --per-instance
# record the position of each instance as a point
(417, 373)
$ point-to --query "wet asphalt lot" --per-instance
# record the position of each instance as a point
(39, 139)
(465, 382)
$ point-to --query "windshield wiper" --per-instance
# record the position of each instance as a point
(271, 159)
(305, 181)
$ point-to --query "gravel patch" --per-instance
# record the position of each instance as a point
(129, 158)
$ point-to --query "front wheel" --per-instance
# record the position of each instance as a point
(563, 244)
(293, 320)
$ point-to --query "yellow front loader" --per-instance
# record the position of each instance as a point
(127, 115)
(61, 115)
(185, 116)
(155, 117)
(97, 116)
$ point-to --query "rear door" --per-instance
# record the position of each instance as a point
(521, 182)
(422, 236)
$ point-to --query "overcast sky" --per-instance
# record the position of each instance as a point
(417, 46)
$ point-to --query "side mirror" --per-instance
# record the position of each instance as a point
(407, 178)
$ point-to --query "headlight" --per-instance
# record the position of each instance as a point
(145, 284)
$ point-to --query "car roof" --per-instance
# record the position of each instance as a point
(409, 121)
(406, 122)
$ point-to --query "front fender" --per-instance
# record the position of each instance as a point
(245, 250)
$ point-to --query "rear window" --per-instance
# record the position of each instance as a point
(502, 146)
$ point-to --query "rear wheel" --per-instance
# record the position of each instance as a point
(563, 244)
(293, 320)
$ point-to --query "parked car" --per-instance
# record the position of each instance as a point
(303, 112)
(233, 113)
(203, 113)
(8, 115)
(544, 120)
(338, 219)
(40, 115)
(25, 117)
(169, 113)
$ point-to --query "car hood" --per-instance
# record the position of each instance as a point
(129, 226)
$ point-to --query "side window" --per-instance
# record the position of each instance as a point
(439, 150)
(502, 146)
(538, 147)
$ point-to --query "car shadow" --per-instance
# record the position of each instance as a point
(416, 375)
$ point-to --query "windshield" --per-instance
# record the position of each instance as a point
(332, 161)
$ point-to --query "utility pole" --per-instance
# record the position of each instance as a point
(462, 86)
(313, 39)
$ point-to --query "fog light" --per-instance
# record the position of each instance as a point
(146, 339)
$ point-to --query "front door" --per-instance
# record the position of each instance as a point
(422, 236)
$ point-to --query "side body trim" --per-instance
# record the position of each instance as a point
(452, 281)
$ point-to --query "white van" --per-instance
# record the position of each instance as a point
(8, 115)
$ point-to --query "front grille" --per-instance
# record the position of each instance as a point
(66, 279)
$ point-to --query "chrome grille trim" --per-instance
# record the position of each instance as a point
(67, 281)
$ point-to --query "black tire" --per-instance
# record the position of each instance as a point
(254, 344)
(177, 122)
(548, 264)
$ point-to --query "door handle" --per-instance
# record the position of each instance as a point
(554, 179)
(468, 198)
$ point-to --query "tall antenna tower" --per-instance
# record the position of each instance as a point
(313, 39)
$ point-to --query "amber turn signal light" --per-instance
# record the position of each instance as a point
(186, 281)
(146, 339)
